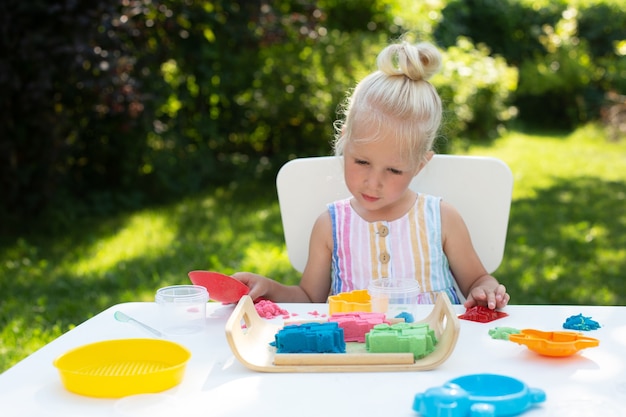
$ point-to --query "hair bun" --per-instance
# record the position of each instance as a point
(415, 61)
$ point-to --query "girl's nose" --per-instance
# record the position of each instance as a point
(374, 178)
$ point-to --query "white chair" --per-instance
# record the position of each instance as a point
(479, 187)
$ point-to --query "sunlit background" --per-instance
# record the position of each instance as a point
(148, 139)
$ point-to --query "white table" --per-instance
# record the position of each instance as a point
(592, 382)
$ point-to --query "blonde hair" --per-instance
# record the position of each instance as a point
(398, 94)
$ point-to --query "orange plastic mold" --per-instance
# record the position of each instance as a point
(560, 343)
(346, 302)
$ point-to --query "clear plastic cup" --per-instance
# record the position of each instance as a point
(182, 308)
(394, 296)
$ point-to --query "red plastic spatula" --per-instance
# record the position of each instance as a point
(222, 288)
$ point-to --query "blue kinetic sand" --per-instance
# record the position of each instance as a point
(310, 338)
(478, 395)
(580, 322)
(417, 338)
(408, 317)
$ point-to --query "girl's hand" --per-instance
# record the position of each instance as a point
(492, 298)
(258, 285)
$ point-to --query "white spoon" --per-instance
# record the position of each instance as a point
(119, 316)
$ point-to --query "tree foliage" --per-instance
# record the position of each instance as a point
(114, 102)
(569, 53)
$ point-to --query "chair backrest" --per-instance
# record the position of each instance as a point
(479, 187)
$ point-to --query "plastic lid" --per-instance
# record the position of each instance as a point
(187, 294)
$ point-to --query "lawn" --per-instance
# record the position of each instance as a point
(566, 242)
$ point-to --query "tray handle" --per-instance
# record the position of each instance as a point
(444, 321)
(247, 333)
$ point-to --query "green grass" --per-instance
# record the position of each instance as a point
(566, 242)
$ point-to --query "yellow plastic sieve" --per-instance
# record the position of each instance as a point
(117, 368)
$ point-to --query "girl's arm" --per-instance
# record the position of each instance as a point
(316, 276)
(315, 282)
(477, 285)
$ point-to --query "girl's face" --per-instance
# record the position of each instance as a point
(378, 177)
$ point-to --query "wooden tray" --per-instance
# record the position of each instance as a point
(249, 337)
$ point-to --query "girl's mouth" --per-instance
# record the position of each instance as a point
(369, 198)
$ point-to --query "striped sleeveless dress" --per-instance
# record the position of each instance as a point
(410, 246)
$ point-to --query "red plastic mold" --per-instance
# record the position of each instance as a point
(482, 314)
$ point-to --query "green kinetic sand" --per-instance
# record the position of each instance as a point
(416, 338)
(502, 333)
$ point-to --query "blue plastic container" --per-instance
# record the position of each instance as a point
(478, 395)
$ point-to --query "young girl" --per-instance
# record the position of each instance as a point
(385, 229)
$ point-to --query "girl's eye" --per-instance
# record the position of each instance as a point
(360, 162)
(395, 171)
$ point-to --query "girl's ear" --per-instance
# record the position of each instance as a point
(429, 155)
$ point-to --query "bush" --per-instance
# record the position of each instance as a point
(475, 88)
(68, 107)
(107, 104)
(509, 28)
(568, 53)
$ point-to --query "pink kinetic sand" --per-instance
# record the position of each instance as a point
(356, 324)
(268, 309)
